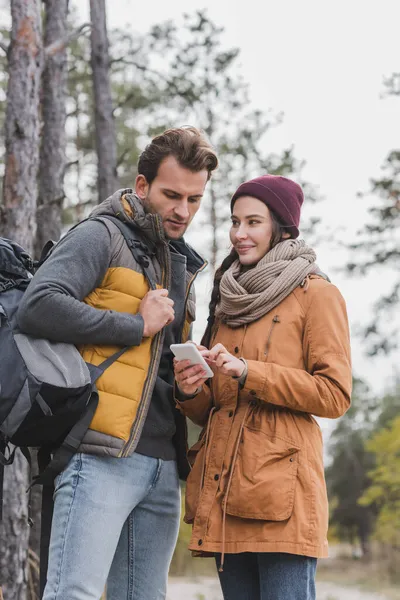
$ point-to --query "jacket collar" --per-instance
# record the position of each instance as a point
(194, 262)
(128, 207)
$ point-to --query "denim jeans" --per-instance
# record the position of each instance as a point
(115, 519)
(267, 576)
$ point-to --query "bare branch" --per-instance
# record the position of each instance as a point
(146, 69)
(60, 45)
(122, 157)
(4, 48)
(44, 207)
(122, 59)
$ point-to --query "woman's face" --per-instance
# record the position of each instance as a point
(251, 230)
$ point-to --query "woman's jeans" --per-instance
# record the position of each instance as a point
(116, 520)
(267, 576)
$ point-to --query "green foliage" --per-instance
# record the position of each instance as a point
(384, 491)
(347, 475)
(364, 475)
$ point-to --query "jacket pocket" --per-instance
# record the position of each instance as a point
(264, 477)
(193, 482)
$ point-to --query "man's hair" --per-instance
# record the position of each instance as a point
(188, 145)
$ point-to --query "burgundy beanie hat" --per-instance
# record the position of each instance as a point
(283, 196)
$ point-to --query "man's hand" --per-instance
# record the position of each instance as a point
(221, 360)
(157, 311)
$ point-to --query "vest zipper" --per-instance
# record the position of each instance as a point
(275, 320)
(180, 339)
(189, 287)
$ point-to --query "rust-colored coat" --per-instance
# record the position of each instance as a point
(257, 482)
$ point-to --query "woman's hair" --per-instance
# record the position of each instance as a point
(277, 233)
(188, 145)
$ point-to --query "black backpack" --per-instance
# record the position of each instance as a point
(47, 392)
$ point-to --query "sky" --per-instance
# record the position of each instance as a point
(322, 63)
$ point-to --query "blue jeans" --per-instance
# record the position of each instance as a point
(116, 520)
(267, 576)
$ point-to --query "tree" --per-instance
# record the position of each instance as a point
(379, 246)
(28, 59)
(347, 475)
(52, 151)
(18, 221)
(355, 466)
(22, 125)
(384, 491)
(106, 142)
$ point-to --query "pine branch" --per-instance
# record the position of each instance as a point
(122, 157)
(146, 69)
(60, 45)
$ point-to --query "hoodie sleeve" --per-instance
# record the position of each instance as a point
(53, 307)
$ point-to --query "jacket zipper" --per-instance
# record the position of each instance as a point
(189, 287)
(275, 320)
(153, 367)
(151, 376)
(180, 339)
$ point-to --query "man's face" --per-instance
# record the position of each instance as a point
(175, 194)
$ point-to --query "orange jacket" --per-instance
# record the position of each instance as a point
(257, 482)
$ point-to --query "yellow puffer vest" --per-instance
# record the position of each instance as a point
(126, 387)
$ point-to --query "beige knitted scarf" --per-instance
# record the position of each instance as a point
(248, 295)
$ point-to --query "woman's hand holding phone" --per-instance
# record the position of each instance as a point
(190, 377)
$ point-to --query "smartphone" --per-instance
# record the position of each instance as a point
(190, 352)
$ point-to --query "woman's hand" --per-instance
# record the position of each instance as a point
(220, 359)
(189, 378)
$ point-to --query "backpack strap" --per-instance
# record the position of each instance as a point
(134, 239)
(132, 236)
(45, 533)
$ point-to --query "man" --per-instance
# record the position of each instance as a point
(117, 503)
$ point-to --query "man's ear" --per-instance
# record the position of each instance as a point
(141, 187)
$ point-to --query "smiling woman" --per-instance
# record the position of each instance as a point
(278, 343)
(255, 230)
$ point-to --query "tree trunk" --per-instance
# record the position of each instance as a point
(53, 146)
(106, 142)
(14, 531)
(18, 222)
(18, 213)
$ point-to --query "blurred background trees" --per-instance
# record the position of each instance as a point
(378, 245)
(363, 477)
(77, 105)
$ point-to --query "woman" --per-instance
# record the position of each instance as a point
(279, 347)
